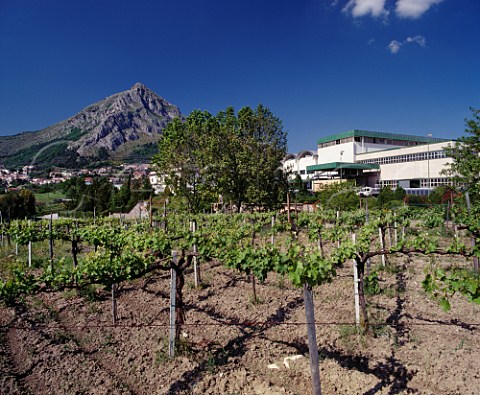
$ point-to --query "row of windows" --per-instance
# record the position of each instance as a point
(435, 182)
(389, 183)
(370, 140)
(406, 158)
(420, 183)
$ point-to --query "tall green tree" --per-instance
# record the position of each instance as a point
(17, 205)
(100, 194)
(465, 167)
(122, 198)
(87, 198)
(237, 156)
(183, 157)
(75, 191)
(249, 149)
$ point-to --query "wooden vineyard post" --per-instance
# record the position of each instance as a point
(355, 289)
(150, 212)
(50, 238)
(472, 239)
(196, 268)
(164, 224)
(114, 305)
(29, 250)
(29, 254)
(254, 287)
(320, 242)
(312, 339)
(75, 247)
(173, 291)
(272, 222)
(288, 208)
(369, 262)
(382, 244)
(395, 230)
(338, 218)
(389, 234)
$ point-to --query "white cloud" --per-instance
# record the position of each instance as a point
(358, 8)
(420, 40)
(414, 8)
(395, 46)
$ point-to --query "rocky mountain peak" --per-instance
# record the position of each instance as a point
(115, 125)
(138, 86)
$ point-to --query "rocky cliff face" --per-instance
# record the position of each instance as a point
(116, 125)
(121, 118)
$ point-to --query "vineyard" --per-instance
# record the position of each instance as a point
(358, 302)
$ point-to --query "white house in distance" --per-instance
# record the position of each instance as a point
(157, 181)
(373, 158)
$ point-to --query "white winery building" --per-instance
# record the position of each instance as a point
(373, 158)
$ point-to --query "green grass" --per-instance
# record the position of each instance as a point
(48, 198)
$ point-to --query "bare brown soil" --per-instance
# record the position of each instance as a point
(63, 343)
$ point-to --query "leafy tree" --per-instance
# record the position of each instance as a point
(268, 146)
(74, 189)
(442, 194)
(299, 186)
(87, 198)
(182, 157)
(385, 196)
(99, 194)
(141, 190)
(237, 156)
(17, 205)
(465, 167)
(399, 193)
(27, 201)
(247, 155)
(122, 198)
(339, 196)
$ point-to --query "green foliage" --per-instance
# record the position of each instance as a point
(102, 196)
(142, 153)
(233, 155)
(183, 158)
(399, 194)
(17, 205)
(125, 252)
(442, 194)
(416, 200)
(339, 196)
(433, 218)
(385, 197)
(442, 284)
(371, 285)
(465, 166)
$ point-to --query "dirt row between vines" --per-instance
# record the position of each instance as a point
(63, 343)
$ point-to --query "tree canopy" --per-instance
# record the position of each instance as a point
(17, 205)
(465, 167)
(237, 156)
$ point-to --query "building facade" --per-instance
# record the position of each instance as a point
(373, 158)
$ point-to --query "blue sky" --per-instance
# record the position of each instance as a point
(321, 66)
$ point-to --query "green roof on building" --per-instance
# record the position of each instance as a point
(380, 135)
(342, 165)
